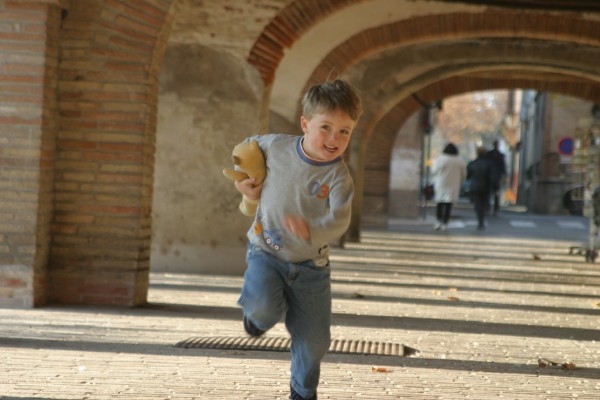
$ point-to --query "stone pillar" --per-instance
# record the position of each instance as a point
(105, 152)
(29, 49)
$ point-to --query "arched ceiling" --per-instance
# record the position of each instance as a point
(415, 58)
(393, 76)
(342, 24)
(403, 46)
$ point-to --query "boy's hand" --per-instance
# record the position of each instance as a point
(248, 188)
(297, 225)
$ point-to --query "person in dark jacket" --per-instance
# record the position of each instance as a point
(497, 159)
(480, 174)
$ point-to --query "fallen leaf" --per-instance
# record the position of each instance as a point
(545, 363)
(536, 257)
(453, 289)
(380, 369)
(437, 292)
(597, 305)
(452, 298)
(569, 365)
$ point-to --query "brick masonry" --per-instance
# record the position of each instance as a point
(104, 168)
(16, 286)
(29, 47)
(77, 162)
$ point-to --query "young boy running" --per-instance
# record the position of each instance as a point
(305, 203)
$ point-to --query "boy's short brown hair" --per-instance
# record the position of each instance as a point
(332, 95)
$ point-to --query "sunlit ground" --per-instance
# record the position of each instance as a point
(482, 309)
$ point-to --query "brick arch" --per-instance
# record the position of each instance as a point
(558, 81)
(378, 151)
(283, 30)
(379, 148)
(550, 28)
(380, 144)
(389, 78)
(554, 30)
(105, 147)
(499, 24)
(295, 19)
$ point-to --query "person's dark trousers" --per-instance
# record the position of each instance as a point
(496, 199)
(443, 212)
(496, 202)
(480, 201)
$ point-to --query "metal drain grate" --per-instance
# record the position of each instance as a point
(283, 344)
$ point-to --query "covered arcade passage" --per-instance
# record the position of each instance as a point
(118, 116)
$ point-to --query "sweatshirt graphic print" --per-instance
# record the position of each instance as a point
(320, 192)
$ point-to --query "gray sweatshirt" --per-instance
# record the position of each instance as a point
(320, 192)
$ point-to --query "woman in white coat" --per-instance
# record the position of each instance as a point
(449, 172)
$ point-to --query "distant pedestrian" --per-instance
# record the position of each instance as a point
(499, 175)
(480, 174)
(449, 172)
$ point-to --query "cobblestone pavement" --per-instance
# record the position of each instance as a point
(482, 309)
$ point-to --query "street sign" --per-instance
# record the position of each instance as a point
(565, 146)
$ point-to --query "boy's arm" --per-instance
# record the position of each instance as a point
(297, 225)
(333, 225)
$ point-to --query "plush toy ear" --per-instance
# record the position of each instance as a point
(236, 160)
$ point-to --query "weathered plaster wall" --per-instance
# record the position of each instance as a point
(405, 171)
(208, 103)
(210, 99)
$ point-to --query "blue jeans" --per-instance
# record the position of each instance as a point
(303, 292)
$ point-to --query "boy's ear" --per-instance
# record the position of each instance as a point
(303, 124)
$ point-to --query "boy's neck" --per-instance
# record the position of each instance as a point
(304, 152)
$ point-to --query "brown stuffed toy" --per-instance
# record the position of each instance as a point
(250, 163)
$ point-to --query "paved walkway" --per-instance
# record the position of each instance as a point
(481, 307)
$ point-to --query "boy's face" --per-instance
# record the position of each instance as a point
(326, 135)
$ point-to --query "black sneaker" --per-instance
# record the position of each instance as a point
(296, 396)
(252, 329)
